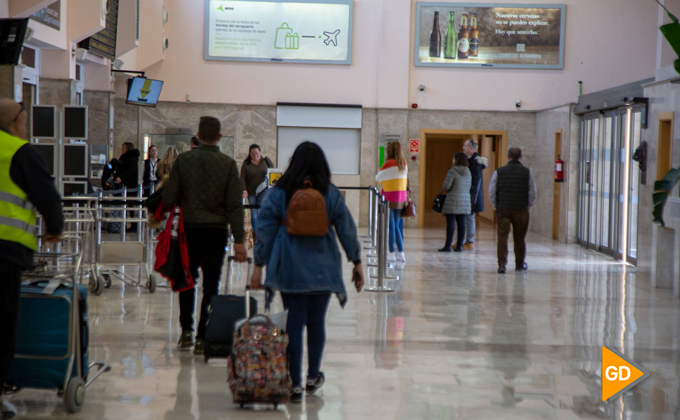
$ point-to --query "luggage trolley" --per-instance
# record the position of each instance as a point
(80, 214)
(124, 253)
(52, 344)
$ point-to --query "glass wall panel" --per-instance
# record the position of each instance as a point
(607, 144)
(595, 182)
(634, 186)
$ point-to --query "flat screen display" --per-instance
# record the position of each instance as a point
(280, 31)
(71, 188)
(43, 121)
(75, 160)
(75, 122)
(490, 35)
(47, 152)
(143, 91)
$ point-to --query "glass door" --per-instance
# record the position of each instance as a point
(584, 182)
(608, 140)
(633, 185)
(609, 183)
(595, 182)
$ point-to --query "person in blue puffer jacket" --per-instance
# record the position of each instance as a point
(305, 269)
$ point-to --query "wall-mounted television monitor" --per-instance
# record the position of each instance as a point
(48, 153)
(12, 34)
(44, 121)
(74, 122)
(71, 188)
(74, 161)
(143, 91)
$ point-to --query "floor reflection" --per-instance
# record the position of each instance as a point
(455, 340)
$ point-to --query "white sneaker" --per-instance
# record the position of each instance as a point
(400, 257)
(391, 257)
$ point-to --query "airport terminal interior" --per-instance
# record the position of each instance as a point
(587, 90)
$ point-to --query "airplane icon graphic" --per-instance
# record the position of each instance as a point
(332, 37)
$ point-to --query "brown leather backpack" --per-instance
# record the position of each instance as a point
(306, 214)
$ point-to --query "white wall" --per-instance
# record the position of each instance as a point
(4, 8)
(608, 43)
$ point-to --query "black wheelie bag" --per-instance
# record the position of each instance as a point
(224, 311)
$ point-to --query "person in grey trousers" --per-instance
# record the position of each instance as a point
(457, 203)
(512, 192)
(476, 164)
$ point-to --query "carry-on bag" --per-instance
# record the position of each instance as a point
(224, 311)
(257, 369)
(42, 352)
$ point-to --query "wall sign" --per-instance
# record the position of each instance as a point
(490, 35)
(284, 31)
(50, 15)
(414, 146)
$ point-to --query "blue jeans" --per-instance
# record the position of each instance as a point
(470, 227)
(305, 309)
(252, 200)
(451, 221)
(396, 230)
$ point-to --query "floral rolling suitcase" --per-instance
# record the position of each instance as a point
(258, 366)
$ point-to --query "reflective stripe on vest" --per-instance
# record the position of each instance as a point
(17, 214)
(17, 201)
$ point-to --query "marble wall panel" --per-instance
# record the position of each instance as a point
(57, 92)
(257, 124)
(99, 110)
(549, 122)
(10, 78)
(572, 174)
(663, 97)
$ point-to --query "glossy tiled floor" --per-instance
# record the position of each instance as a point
(455, 341)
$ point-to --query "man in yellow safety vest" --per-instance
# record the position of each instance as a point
(25, 186)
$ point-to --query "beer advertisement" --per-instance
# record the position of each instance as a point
(490, 35)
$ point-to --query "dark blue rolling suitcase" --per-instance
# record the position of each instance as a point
(225, 310)
(43, 354)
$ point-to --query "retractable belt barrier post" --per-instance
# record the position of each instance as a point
(383, 232)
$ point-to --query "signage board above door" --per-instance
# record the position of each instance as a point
(490, 35)
(280, 31)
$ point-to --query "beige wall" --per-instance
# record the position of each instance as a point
(382, 74)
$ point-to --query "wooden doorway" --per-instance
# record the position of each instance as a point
(557, 189)
(438, 163)
(437, 147)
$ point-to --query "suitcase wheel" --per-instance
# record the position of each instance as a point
(241, 404)
(276, 406)
(207, 358)
(151, 285)
(74, 397)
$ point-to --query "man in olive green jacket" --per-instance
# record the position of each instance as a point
(207, 183)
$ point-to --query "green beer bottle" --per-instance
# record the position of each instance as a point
(450, 44)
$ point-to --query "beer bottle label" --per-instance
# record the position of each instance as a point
(474, 44)
(463, 45)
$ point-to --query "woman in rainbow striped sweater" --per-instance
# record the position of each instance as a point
(393, 177)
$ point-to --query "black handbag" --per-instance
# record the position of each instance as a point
(439, 203)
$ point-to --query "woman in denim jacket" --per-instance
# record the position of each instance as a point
(306, 270)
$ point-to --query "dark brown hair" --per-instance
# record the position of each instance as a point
(128, 146)
(209, 128)
(460, 159)
(514, 153)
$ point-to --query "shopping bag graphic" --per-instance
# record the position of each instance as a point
(281, 34)
(292, 42)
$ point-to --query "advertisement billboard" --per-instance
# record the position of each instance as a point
(490, 35)
(284, 31)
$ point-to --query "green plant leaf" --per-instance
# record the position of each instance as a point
(662, 190)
